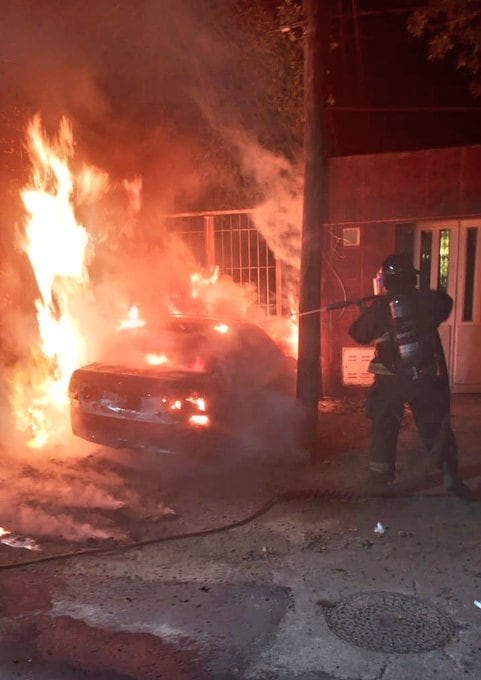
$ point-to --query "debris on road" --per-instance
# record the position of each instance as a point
(19, 542)
(380, 529)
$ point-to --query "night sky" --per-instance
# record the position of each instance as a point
(393, 72)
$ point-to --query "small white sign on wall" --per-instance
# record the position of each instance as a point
(355, 362)
(351, 236)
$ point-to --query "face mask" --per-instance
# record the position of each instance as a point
(378, 284)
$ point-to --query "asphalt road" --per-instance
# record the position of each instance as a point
(308, 590)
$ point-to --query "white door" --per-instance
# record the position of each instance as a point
(448, 255)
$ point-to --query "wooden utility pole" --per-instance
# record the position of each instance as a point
(315, 215)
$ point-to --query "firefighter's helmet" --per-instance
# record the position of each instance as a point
(397, 273)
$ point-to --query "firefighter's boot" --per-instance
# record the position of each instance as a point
(453, 484)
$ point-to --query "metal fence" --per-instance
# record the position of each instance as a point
(229, 239)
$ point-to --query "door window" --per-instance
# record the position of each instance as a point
(444, 253)
(471, 244)
(425, 260)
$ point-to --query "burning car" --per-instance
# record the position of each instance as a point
(174, 381)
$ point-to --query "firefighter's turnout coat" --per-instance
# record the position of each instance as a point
(422, 384)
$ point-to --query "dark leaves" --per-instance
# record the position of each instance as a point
(452, 27)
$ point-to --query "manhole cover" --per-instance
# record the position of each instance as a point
(390, 622)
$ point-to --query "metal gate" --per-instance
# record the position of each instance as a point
(229, 239)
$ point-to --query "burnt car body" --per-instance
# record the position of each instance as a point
(172, 385)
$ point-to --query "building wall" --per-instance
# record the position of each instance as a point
(406, 186)
(384, 195)
(348, 275)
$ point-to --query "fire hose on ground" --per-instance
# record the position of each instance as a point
(282, 497)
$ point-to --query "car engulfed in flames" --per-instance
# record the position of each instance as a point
(171, 385)
(152, 379)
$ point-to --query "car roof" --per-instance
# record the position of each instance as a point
(194, 320)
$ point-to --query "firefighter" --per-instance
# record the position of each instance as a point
(409, 368)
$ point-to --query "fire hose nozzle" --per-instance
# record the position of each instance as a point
(349, 303)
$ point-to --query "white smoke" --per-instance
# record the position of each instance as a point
(278, 216)
(56, 492)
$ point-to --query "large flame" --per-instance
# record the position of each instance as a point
(56, 247)
(132, 320)
(292, 328)
(200, 283)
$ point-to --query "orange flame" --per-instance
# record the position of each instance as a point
(222, 328)
(132, 320)
(202, 420)
(200, 282)
(91, 182)
(56, 247)
(156, 359)
(197, 401)
(134, 192)
(293, 334)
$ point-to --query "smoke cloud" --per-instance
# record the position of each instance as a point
(135, 79)
(37, 498)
